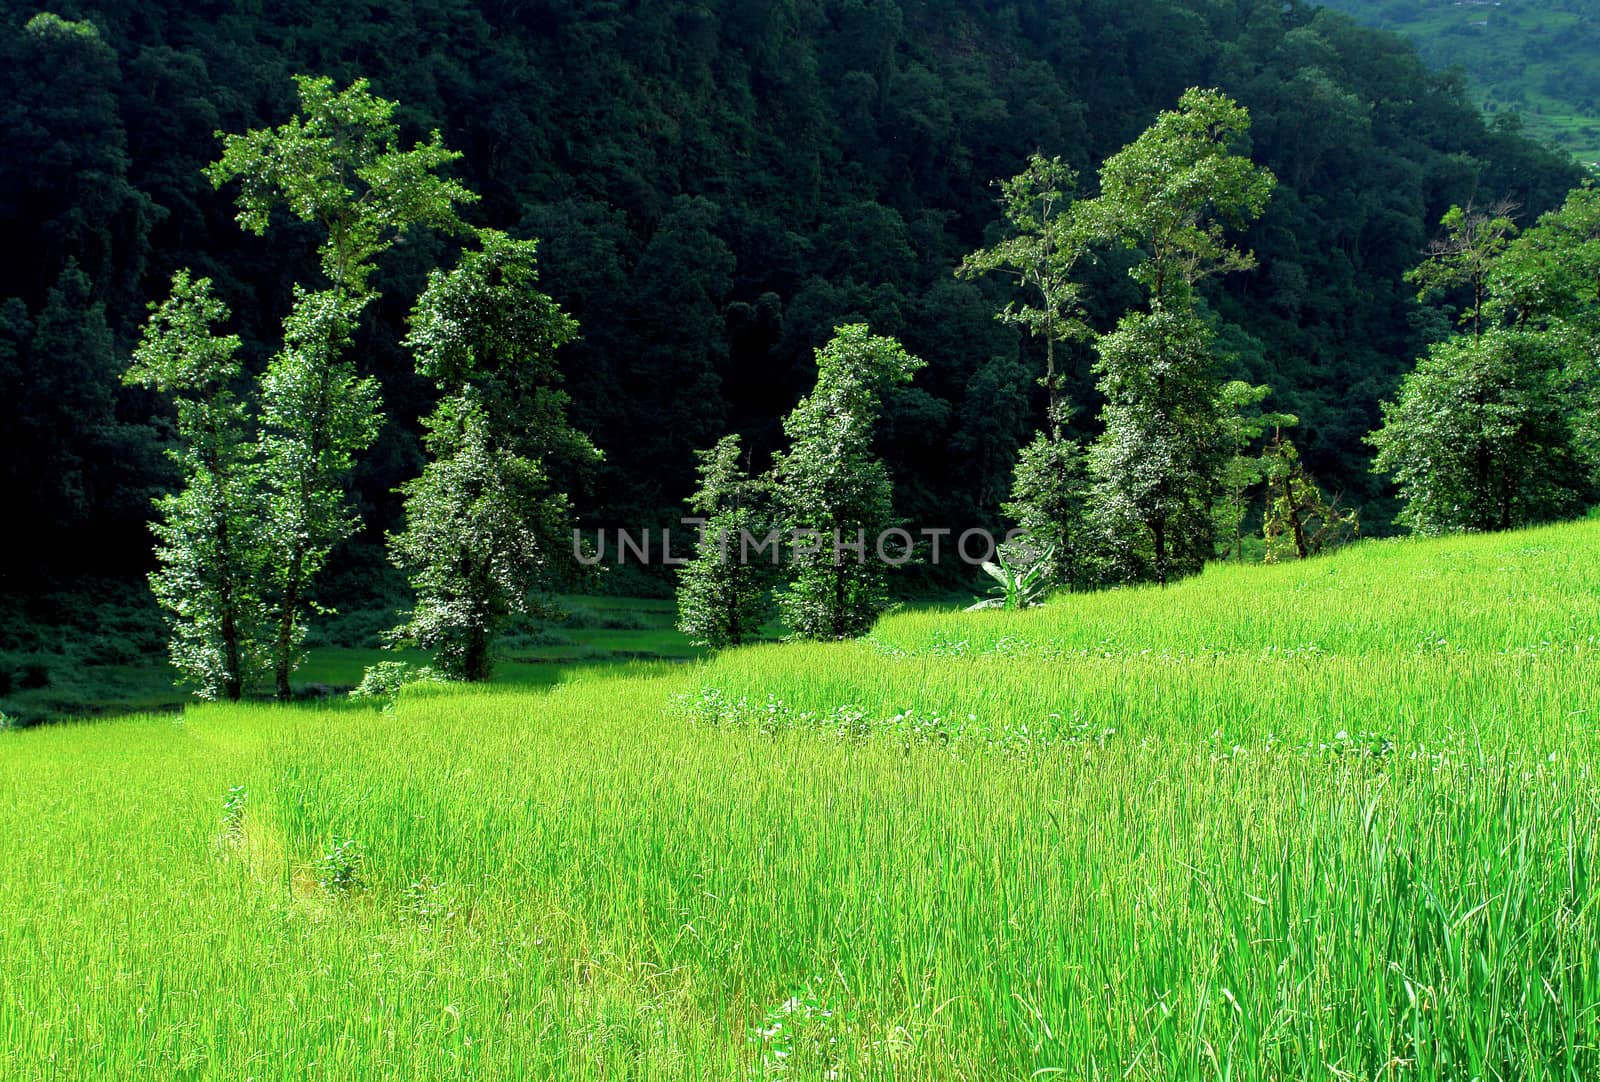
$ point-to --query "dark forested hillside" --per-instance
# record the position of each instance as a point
(717, 184)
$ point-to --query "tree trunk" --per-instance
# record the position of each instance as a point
(1158, 529)
(1298, 527)
(283, 644)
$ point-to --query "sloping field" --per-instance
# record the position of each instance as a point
(1330, 820)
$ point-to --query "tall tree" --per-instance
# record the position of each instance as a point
(1042, 255)
(1242, 426)
(485, 525)
(339, 165)
(1050, 493)
(722, 590)
(1050, 485)
(1172, 194)
(1464, 255)
(210, 536)
(1549, 279)
(835, 491)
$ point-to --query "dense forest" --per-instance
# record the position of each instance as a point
(716, 186)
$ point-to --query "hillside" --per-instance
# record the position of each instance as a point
(1535, 60)
(1273, 822)
(717, 186)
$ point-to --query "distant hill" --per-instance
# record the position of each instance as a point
(1535, 59)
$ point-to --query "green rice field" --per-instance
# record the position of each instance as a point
(1332, 820)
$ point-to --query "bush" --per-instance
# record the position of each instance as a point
(384, 680)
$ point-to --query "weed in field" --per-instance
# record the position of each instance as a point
(805, 1037)
(341, 869)
(233, 805)
(381, 683)
(427, 903)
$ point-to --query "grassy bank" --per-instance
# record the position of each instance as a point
(1312, 821)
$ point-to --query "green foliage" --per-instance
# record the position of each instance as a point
(317, 414)
(1172, 192)
(1497, 429)
(1299, 522)
(1176, 190)
(717, 187)
(1464, 256)
(723, 591)
(1021, 571)
(482, 531)
(1478, 437)
(342, 869)
(1047, 244)
(1242, 425)
(831, 483)
(484, 524)
(1549, 279)
(337, 164)
(1158, 464)
(1050, 493)
(212, 535)
(382, 683)
(1531, 66)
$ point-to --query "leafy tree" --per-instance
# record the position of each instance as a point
(1042, 255)
(1172, 193)
(1049, 486)
(1243, 471)
(338, 165)
(722, 592)
(1464, 256)
(831, 483)
(481, 529)
(1299, 521)
(485, 525)
(1159, 462)
(1549, 280)
(1050, 495)
(1478, 437)
(210, 533)
(1489, 431)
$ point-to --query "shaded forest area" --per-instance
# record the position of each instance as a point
(717, 185)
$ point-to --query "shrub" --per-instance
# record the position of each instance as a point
(384, 680)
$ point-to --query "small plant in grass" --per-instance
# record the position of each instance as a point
(1021, 572)
(804, 1037)
(381, 683)
(233, 805)
(340, 869)
(426, 902)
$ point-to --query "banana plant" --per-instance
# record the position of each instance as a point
(1020, 577)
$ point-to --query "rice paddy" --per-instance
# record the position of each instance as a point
(1323, 820)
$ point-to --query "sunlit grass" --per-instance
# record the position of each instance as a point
(1317, 821)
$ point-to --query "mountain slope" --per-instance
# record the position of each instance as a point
(1536, 62)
